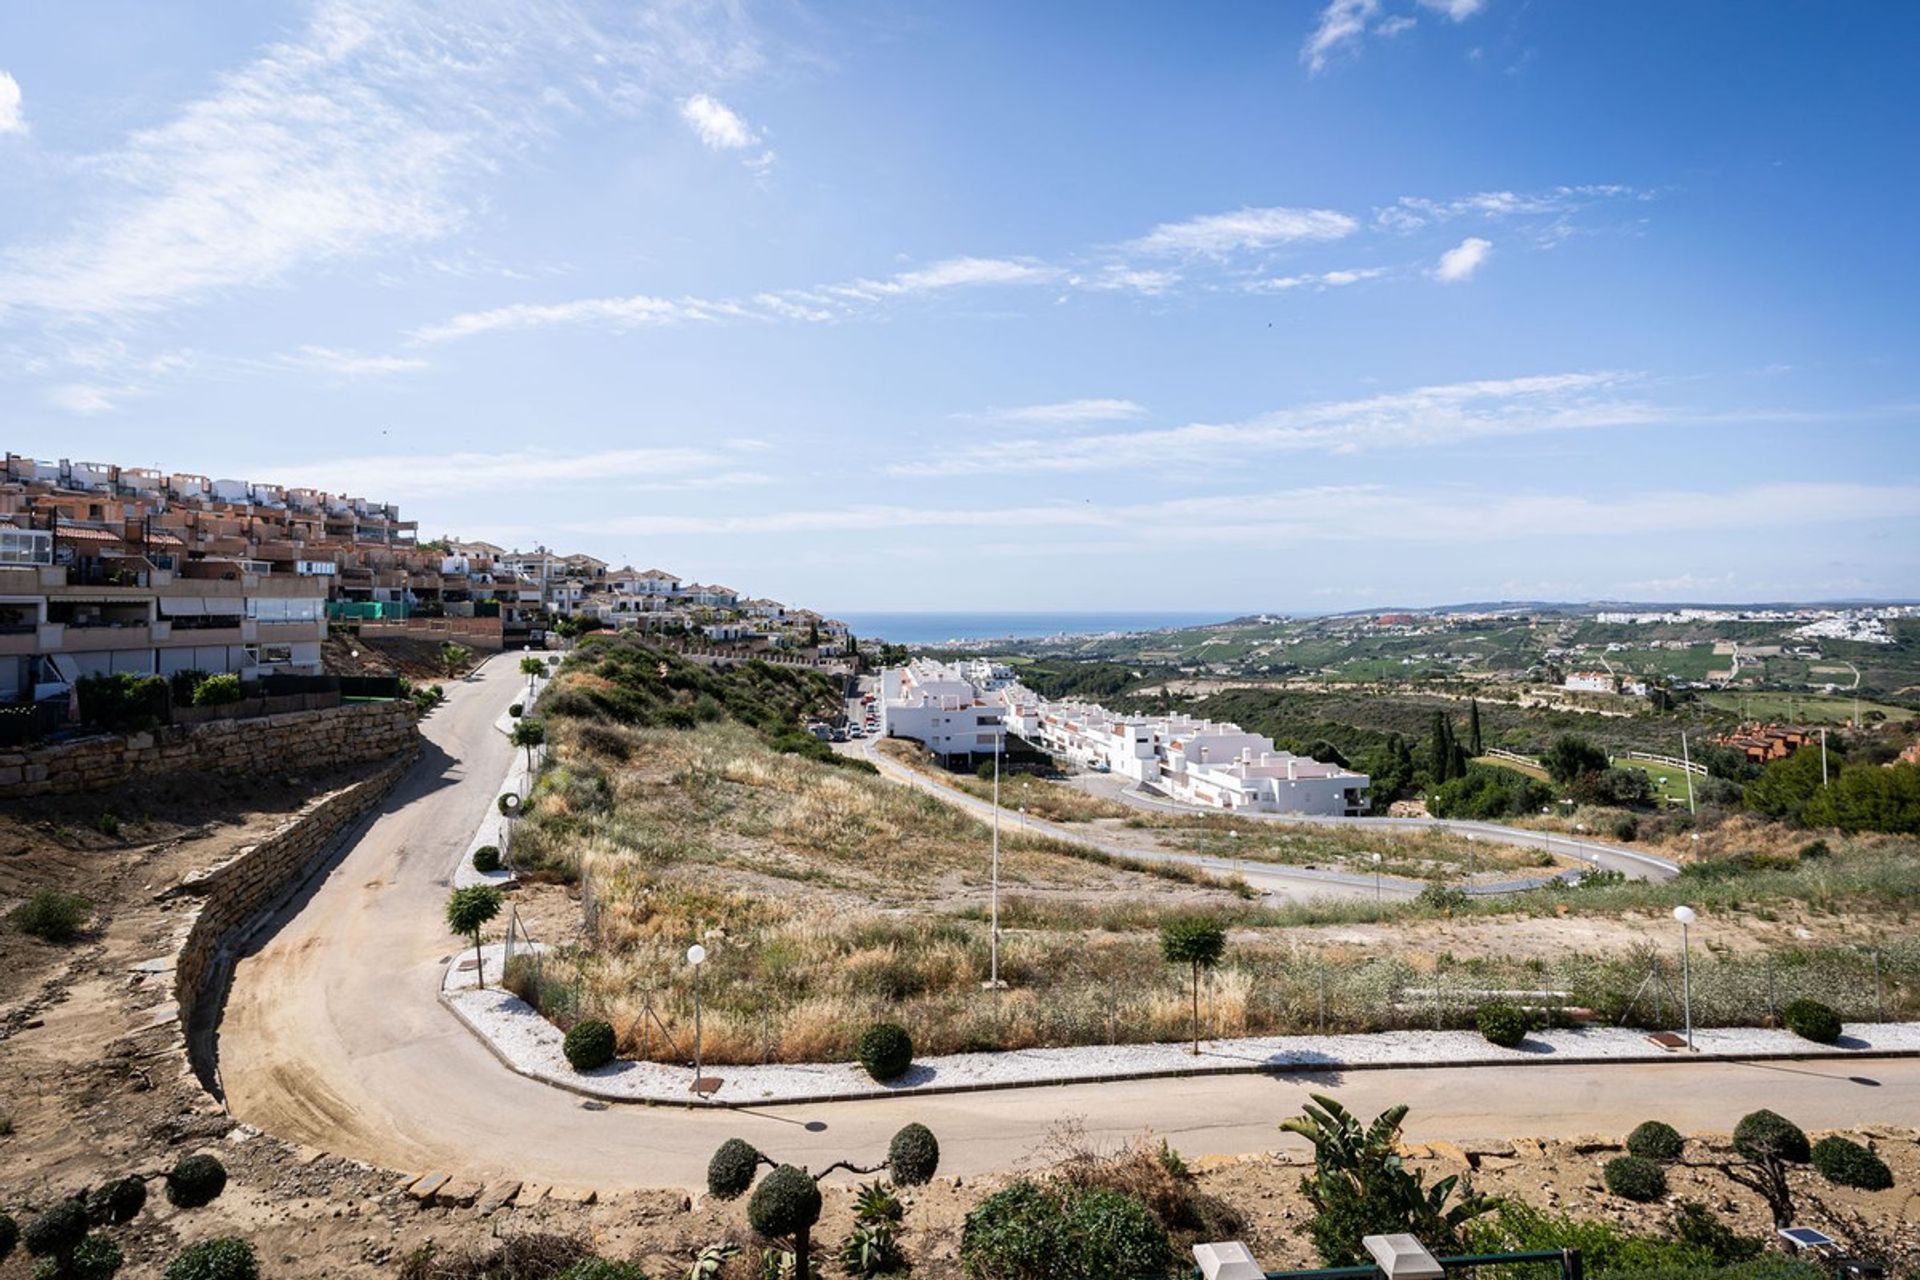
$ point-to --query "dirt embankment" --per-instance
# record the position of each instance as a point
(344, 654)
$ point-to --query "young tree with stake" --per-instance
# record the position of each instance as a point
(1198, 942)
(468, 912)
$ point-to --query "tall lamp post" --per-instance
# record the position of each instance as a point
(1376, 877)
(697, 956)
(993, 941)
(1686, 916)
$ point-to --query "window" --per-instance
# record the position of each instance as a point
(25, 547)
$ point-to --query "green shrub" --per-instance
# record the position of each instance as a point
(217, 691)
(1030, 1231)
(516, 710)
(52, 916)
(1846, 1163)
(1635, 1178)
(602, 1269)
(1502, 1024)
(123, 700)
(786, 1203)
(1656, 1140)
(118, 1201)
(57, 1231)
(486, 858)
(1811, 1020)
(95, 1258)
(589, 1044)
(1443, 897)
(221, 1258)
(913, 1156)
(731, 1170)
(885, 1050)
(1696, 1225)
(9, 1235)
(1815, 849)
(196, 1180)
(1761, 1135)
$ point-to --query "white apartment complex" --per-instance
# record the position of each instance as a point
(935, 703)
(1200, 762)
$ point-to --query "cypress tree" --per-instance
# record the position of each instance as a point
(1473, 728)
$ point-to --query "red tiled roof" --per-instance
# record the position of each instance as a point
(75, 533)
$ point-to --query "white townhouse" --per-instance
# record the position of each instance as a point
(936, 704)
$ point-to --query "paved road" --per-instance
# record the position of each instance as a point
(334, 1037)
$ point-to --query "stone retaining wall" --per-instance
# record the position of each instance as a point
(343, 735)
(237, 893)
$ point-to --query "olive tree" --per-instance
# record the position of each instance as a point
(1198, 942)
(468, 911)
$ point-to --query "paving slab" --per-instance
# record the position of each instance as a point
(496, 1197)
(424, 1188)
(530, 1193)
(459, 1192)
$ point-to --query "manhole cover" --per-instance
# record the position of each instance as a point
(1668, 1040)
(707, 1086)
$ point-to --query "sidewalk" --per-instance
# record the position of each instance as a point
(529, 1044)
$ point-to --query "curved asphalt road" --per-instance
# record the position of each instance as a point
(334, 1037)
(1278, 879)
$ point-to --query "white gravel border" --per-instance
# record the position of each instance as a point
(529, 1044)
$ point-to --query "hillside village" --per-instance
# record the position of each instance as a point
(128, 571)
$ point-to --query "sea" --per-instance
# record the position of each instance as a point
(957, 628)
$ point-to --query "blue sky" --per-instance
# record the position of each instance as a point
(1000, 305)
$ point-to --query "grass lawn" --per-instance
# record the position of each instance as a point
(1802, 708)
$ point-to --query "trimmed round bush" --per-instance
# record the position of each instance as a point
(57, 1231)
(1502, 1024)
(589, 1044)
(1811, 1020)
(221, 1258)
(786, 1202)
(117, 1201)
(1656, 1140)
(486, 858)
(913, 1156)
(9, 1235)
(196, 1180)
(1764, 1134)
(1115, 1234)
(602, 1269)
(885, 1050)
(95, 1258)
(731, 1170)
(516, 710)
(1635, 1178)
(1846, 1163)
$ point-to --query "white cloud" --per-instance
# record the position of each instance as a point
(1458, 10)
(1317, 280)
(637, 311)
(953, 273)
(12, 119)
(1065, 413)
(716, 124)
(1342, 22)
(1458, 264)
(1222, 233)
(1118, 277)
(1421, 417)
(370, 129)
(352, 364)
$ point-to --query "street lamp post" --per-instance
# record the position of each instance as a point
(993, 941)
(1376, 877)
(1686, 916)
(1473, 865)
(697, 956)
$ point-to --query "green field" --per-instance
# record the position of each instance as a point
(1804, 708)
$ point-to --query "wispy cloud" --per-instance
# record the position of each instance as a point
(350, 364)
(1333, 513)
(1458, 264)
(1422, 417)
(1316, 280)
(1344, 25)
(441, 474)
(87, 399)
(1410, 213)
(1065, 413)
(1218, 234)
(367, 131)
(12, 118)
